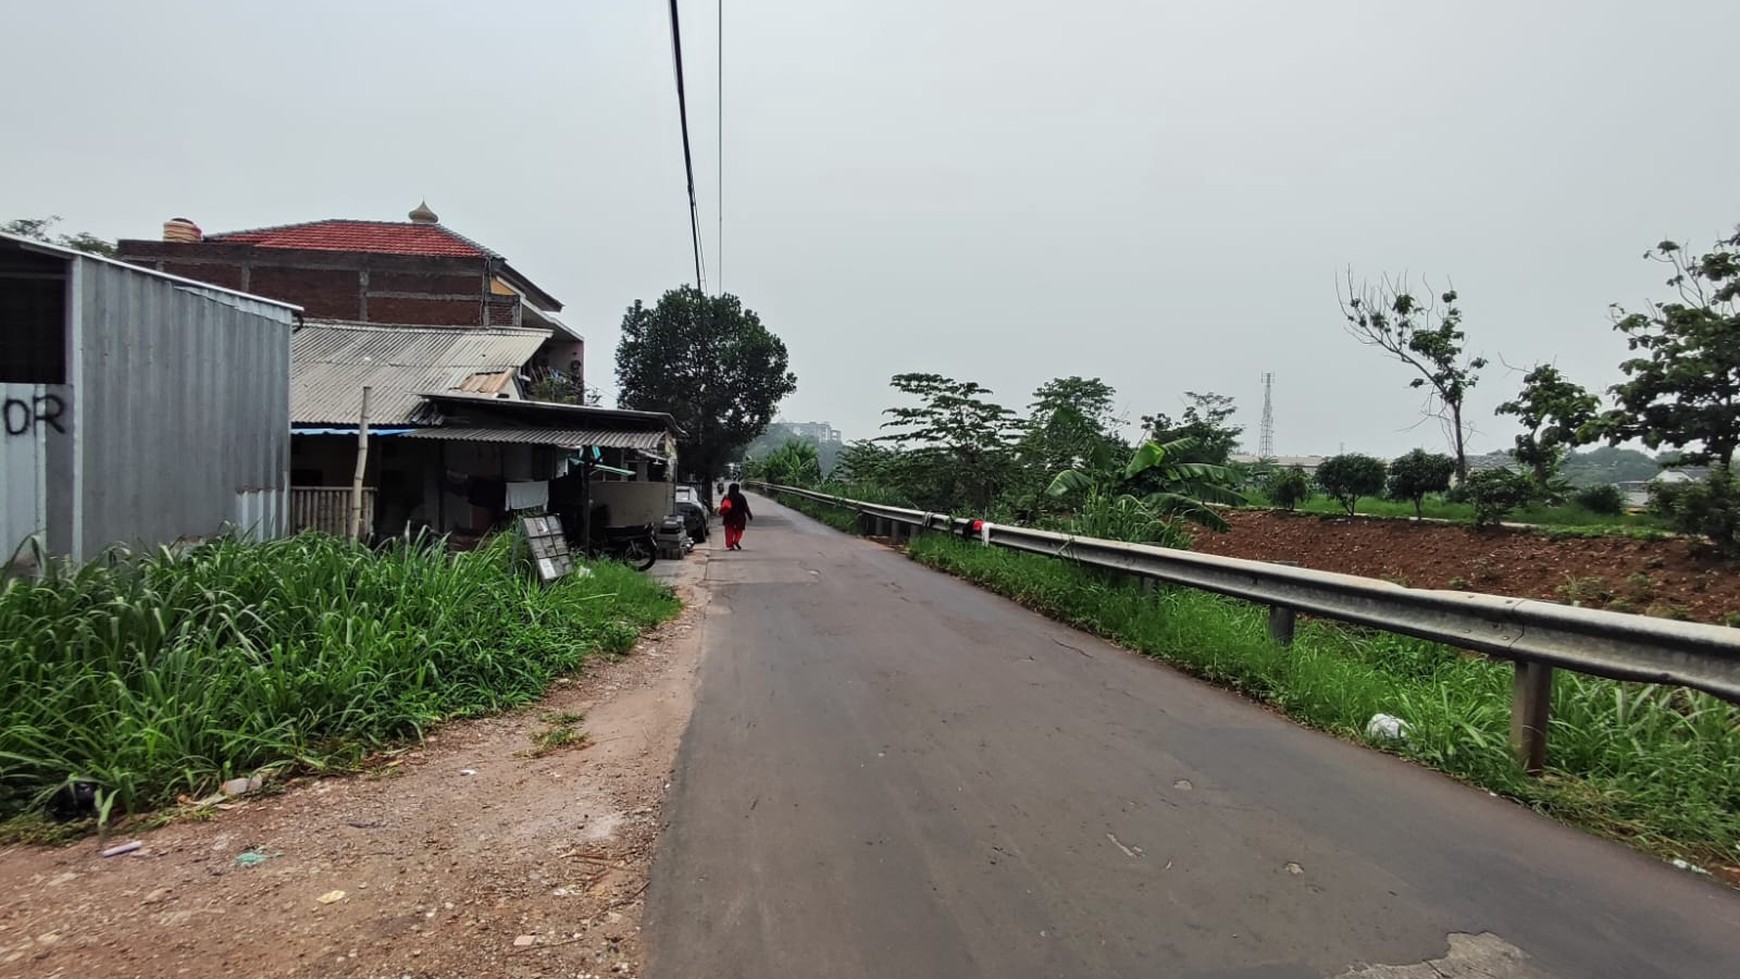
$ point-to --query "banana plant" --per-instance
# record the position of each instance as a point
(1168, 491)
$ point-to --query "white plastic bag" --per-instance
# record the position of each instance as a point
(1384, 727)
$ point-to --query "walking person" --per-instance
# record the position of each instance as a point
(734, 511)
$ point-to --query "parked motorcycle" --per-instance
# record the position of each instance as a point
(636, 545)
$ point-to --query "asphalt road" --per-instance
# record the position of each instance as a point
(891, 773)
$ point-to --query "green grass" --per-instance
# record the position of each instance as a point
(1567, 518)
(159, 674)
(1657, 767)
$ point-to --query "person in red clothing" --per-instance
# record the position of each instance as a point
(734, 511)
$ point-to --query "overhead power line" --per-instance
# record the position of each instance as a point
(719, 253)
(688, 156)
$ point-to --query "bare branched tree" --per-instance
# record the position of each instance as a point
(1427, 336)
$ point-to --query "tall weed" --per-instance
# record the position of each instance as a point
(165, 672)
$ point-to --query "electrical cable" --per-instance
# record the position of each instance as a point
(719, 253)
(688, 156)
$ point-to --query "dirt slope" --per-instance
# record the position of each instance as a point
(1660, 577)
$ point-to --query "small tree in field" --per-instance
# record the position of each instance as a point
(1418, 473)
(1349, 476)
(1557, 414)
(1496, 492)
(1287, 488)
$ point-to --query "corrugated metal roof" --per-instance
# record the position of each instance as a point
(488, 382)
(564, 437)
(331, 363)
(577, 416)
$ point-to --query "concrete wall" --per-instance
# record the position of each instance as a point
(634, 502)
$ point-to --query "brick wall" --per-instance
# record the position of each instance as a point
(504, 312)
(327, 293)
(363, 286)
(426, 283)
(228, 276)
(425, 312)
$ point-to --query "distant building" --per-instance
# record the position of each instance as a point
(139, 408)
(1307, 463)
(820, 432)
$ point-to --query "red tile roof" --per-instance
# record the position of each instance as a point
(339, 235)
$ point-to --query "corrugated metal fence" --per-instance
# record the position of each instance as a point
(326, 509)
(182, 405)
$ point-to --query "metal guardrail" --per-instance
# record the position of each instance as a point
(1536, 635)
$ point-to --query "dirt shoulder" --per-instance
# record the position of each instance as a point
(1673, 577)
(465, 856)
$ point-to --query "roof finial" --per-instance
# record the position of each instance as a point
(422, 215)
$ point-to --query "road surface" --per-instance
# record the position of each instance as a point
(891, 773)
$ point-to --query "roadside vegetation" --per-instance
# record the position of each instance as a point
(161, 674)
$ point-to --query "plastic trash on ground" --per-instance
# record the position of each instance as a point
(1385, 727)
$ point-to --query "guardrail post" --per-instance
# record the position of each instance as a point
(1531, 701)
(864, 524)
(1282, 618)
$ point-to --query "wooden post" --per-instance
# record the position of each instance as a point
(362, 461)
(1531, 701)
(1282, 619)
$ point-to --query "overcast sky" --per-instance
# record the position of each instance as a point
(1161, 194)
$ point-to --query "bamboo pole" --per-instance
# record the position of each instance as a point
(362, 461)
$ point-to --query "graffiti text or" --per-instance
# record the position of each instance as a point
(22, 416)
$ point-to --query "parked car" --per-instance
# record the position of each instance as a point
(693, 510)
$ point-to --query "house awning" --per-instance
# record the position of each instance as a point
(569, 438)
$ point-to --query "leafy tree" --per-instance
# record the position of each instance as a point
(1069, 419)
(37, 229)
(1496, 492)
(957, 442)
(1420, 472)
(708, 362)
(1557, 414)
(1287, 488)
(865, 463)
(1207, 422)
(1152, 482)
(1684, 388)
(1349, 476)
(1427, 336)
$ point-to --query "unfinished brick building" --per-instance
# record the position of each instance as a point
(415, 273)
